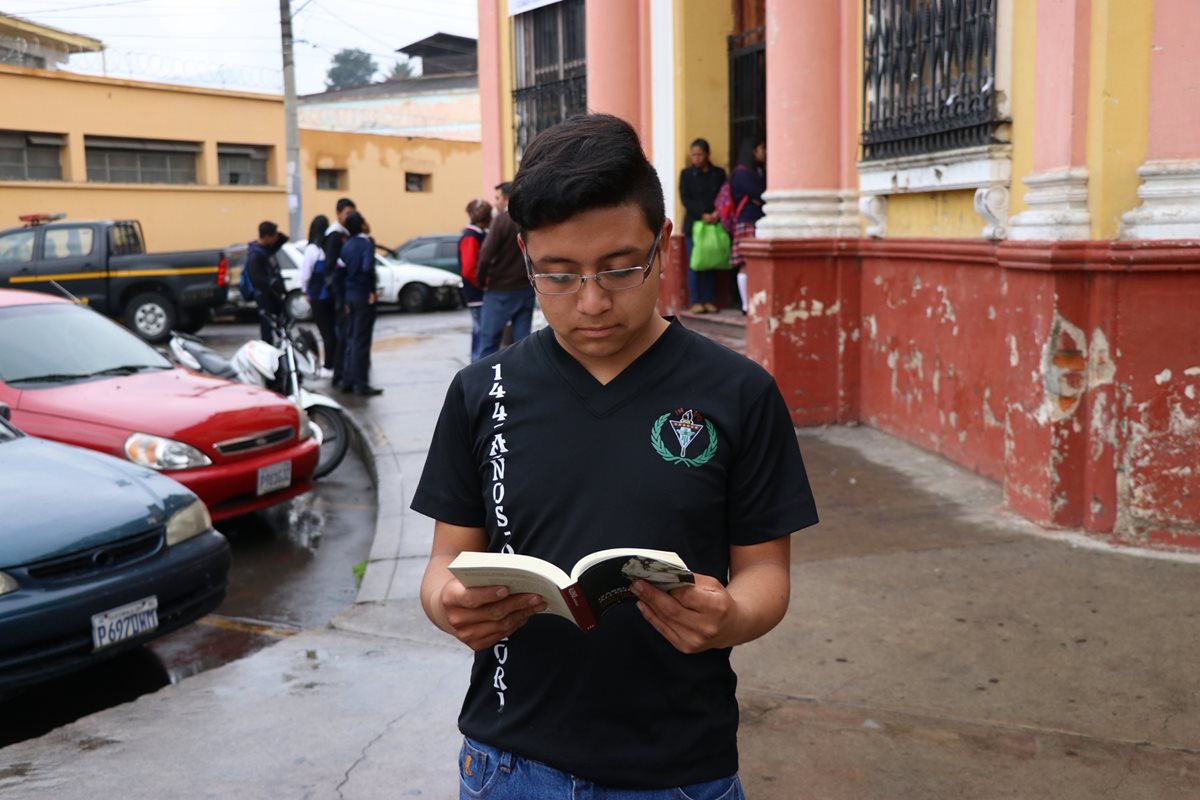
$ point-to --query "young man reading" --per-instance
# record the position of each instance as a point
(612, 427)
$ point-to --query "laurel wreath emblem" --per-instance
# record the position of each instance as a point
(699, 461)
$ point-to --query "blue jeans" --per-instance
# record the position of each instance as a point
(500, 308)
(476, 314)
(702, 286)
(488, 773)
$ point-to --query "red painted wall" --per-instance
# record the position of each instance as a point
(1070, 372)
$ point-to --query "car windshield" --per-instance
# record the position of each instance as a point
(54, 343)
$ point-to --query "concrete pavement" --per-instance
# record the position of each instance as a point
(936, 647)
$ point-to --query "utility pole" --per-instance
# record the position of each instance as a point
(295, 211)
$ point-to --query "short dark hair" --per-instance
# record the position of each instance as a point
(702, 144)
(267, 228)
(354, 223)
(585, 163)
(504, 188)
(746, 151)
(343, 202)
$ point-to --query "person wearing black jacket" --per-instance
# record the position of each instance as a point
(263, 268)
(698, 188)
(335, 237)
(507, 295)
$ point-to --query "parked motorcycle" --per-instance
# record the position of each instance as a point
(280, 367)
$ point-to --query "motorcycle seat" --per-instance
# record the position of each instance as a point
(211, 361)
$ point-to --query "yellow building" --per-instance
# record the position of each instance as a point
(202, 167)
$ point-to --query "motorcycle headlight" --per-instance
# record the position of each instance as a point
(160, 453)
(7, 584)
(191, 520)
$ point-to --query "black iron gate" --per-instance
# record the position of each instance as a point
(747, 88)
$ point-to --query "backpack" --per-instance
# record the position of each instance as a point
(724, 208)
(245, 286)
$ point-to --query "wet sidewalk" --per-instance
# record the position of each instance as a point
(936, 647)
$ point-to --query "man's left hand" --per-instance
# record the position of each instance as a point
(692, 618)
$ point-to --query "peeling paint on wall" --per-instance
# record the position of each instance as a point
(1064, 370)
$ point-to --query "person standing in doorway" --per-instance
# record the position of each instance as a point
(358, 254)
(507, 295)
(479, 217)
(316, 281)
(262, 264)
(611, 427)
(699, 184)
(747, 184)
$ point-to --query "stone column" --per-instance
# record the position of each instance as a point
(1058, 194)
(805, 195)
(489, 97)
(614, 36)
(1170, 189)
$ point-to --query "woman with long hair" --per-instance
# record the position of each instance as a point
(315, 280)
(747, 184)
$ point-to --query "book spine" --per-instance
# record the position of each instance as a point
(584, 618)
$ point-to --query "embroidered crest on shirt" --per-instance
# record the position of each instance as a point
(683, 430)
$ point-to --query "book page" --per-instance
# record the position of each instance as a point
(521, 574)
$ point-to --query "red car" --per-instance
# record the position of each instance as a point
(71, 375)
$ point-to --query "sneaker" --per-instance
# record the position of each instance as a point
(325, 373)
(709, 308)
(697, 308)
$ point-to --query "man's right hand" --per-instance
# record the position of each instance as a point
(481, 616)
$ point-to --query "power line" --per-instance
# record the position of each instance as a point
(76, 8)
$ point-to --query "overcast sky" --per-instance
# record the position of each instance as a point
(236, 43)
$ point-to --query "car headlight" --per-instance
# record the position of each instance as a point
(160, 453)
(7, 584)
(305, 423)
(191, 520)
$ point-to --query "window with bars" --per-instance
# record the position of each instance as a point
(31, 156)
(417, 182)
(140, 160)
(242, 164)
(334, 179)
(747, 75)
(929, 76)
(551, 68)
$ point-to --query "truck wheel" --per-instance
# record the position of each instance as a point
(416, 297)
(151, 316)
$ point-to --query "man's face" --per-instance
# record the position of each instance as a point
(270, 239)
(501, 203)
(345, 212)
(600, 328)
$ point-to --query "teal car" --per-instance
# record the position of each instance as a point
(97, 556)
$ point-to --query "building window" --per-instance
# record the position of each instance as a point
(31, 156)
(242, 165)
(929, 76)
(140, 160)
(551, 68)
(416, 182)
(332, 179)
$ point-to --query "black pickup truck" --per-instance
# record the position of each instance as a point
(105, 265)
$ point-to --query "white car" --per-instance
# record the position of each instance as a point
(415, 287)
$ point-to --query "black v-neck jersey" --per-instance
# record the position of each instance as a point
(690, 448)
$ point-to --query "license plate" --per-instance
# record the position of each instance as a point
(118, 624)
(274, 477)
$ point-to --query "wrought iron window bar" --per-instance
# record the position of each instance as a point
(929, 80)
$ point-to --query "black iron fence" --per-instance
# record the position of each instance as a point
(929, 76)
(747, 88)
(536, 108)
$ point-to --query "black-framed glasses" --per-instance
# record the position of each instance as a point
(612, 280)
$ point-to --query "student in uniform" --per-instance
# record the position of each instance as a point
(611, 427)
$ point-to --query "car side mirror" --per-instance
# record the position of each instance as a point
(5, 411)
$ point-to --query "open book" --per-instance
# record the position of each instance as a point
(597, 581)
